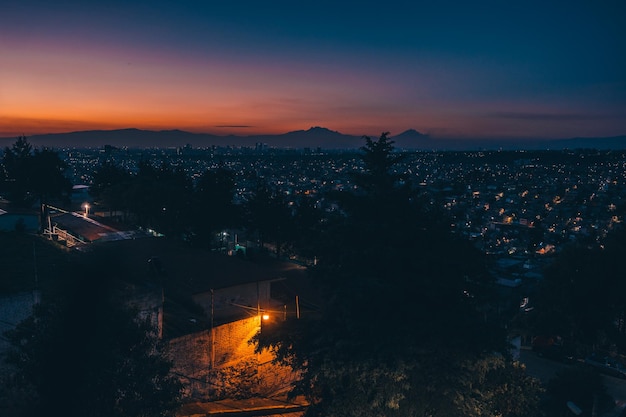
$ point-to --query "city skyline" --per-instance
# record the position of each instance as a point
(454, 70)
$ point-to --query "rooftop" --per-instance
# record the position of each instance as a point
(197, 270)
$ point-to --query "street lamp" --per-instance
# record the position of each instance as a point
(86, 207)
(223, 242)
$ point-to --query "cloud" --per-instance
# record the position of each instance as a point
(546, 116)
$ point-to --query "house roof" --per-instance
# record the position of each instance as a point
(198, 270)
(81, 226)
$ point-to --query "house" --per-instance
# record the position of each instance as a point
(74, 229)
(213, 305)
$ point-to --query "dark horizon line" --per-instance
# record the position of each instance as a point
(411, 130)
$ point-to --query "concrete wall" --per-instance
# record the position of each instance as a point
(192, 354)
(229, 367)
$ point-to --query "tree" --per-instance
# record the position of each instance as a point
(505, 389)
(160, 198)
(213, 207)
(109, 185)
(31, 176)
(307, 222)
(403, 329)
(107, 175)
(16, 161)
(581, 298)
(379, 159)
(268, 215)
(583, 387)
(86, 354)
(48, 179)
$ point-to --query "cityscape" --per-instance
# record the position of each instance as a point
(217, 282)
(312, 209)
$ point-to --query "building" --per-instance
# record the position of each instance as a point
(213, 306)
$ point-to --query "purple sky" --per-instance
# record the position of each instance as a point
(447, 68)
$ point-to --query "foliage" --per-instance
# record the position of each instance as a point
(16, 163)
(236, 382)
(574, 302)
(502, 388)
(213, 208)
(109, 186)
(48, 179)
(583, 387)
(268, 215)
(164, 198)
(160, 197)
(379, 159)
(28, 262)
(403, 327)
(34, 175)
(83, 353)
(307, 222)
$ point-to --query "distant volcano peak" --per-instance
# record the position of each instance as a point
(319, 129)
(410, 133)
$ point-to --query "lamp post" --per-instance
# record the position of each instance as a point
(86, 207)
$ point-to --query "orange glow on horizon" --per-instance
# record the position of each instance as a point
(54, 90)
(13, 127)
(71, 69)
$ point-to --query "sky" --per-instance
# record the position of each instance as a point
(448, 68)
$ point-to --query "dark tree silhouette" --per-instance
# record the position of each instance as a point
(269, 216)
(583, 387)
(34, 175)
(213, 208)
(581, 298)
(160, 198)
(401, 330)
(108, 184)
(48, 179)
(306, 227)
(16, 161)
(379, 159)
(83, 353)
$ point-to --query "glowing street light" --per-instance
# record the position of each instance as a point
(86, 207)
(266, 316)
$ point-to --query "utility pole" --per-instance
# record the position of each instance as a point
(36, 299)
(212, 329)
(297, 307)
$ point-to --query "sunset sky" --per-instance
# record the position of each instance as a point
(446, 68)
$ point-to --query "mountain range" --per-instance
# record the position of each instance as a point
(315, 137)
